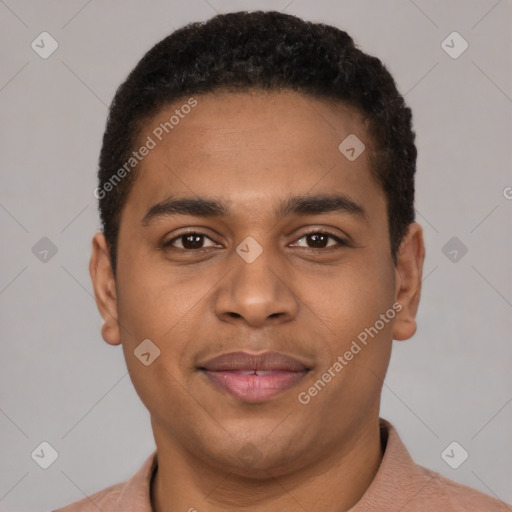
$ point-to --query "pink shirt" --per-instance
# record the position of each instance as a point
(399, 485)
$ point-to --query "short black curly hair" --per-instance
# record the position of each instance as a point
(265, 50)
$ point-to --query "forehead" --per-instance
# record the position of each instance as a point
(252, 148)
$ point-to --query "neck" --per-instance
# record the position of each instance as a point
(334, 482)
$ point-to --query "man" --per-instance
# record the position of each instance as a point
(258, 256)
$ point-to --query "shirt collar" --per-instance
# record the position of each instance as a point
(136, 494)
(398, 480)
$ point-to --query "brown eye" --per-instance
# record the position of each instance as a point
(189, 241)
(319, 240)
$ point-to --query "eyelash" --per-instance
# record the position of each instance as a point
(340, 241)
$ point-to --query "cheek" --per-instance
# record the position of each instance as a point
(170, 307)
(356, 299)
(353, 301)
(155, 297)
(162, 307)
(353, 297)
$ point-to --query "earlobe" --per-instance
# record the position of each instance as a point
(409, 272)
(104, 285)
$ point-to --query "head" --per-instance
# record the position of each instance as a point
(256, 190)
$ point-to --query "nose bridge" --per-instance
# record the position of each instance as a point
(256, 288)
(254, 267)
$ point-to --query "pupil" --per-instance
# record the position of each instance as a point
(316, 238)
(192, 241)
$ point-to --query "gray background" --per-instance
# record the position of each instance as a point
(62, 384)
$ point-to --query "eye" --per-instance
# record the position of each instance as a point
(319, 239)
(189, 241)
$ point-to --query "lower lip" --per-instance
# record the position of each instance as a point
(255, 388)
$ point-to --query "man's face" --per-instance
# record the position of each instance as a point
(252, 280)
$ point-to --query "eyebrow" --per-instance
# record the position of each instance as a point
(296, 205)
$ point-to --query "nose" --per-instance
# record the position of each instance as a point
(257, 292)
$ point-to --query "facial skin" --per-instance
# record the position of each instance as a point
(306, 298)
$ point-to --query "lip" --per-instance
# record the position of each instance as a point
(254, 377)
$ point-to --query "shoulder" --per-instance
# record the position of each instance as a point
(104, 500)
(449, 496)
(132, 494)
(401, 484)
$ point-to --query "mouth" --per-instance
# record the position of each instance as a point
(254, 377)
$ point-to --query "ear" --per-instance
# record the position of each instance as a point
(409, 271)
(104, 285)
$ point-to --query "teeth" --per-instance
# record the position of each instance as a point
(264, 372)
